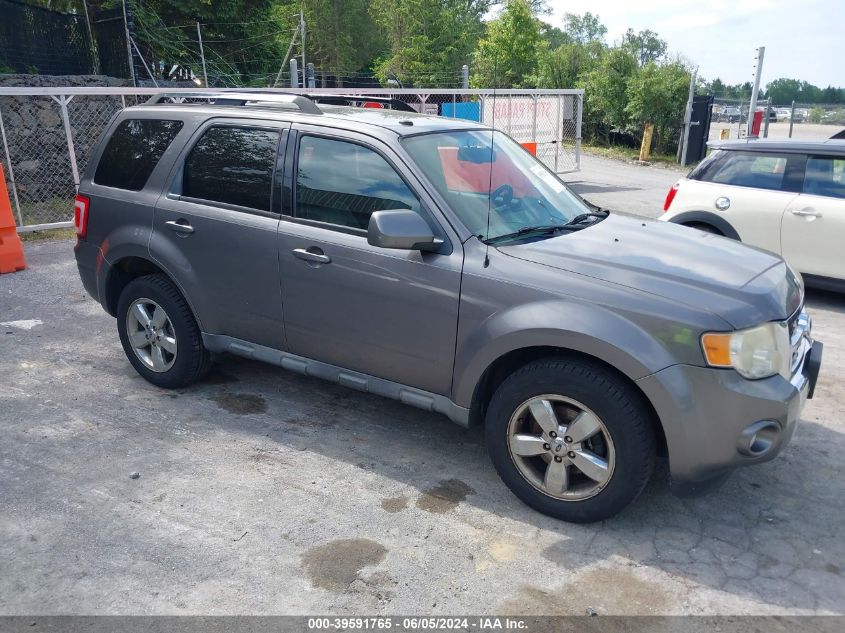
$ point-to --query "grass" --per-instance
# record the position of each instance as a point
(620, 152)
(50, 234)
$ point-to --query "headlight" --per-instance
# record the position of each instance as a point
(757, 352)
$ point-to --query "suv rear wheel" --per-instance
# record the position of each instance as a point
(159, 333)
(571, 439)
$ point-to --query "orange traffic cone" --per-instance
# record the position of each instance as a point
(11, 248)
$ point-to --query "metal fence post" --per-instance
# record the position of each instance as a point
(580, 103)
(294, 73)
(11, 170)
(510, 113)
(534, 119)
(791, 118)
(558, 138)
(63, 100)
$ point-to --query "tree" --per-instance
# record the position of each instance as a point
(646, 45)
(658, 94)
(428, 40)
(606, 91)
(341, 37)
(553, 36)
(583, 29)
(507, 56)
(564, 66)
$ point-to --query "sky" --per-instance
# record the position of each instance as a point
(804, 39)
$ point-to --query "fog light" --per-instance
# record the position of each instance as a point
(758, 439)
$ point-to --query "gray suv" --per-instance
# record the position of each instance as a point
(437, 262)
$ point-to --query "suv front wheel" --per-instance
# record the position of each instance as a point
(571, 439)
(159, 333)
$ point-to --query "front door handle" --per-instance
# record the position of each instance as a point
(180, 226)
(807, 213)
(315, 255)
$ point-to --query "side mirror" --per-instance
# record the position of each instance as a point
(402, 229)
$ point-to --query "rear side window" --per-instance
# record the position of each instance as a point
(825, 176)
(232, 165)
(133, 151)
(761, 170)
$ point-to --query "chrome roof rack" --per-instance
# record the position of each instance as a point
(305, 105)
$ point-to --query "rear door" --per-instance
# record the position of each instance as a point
(384, 312)
(215, 228)
(750, 190)
(813, 227)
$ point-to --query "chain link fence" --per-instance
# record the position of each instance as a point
(791, 120)
(48, 134)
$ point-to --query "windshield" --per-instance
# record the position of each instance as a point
(519, 190)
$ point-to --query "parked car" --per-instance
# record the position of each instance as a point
(729, 115)
(434, 261)
(783, 114)
(786, 196)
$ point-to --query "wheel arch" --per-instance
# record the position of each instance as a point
(707, 217)
(507, 363)
(130, 267)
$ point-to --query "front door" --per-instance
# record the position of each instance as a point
(813, 227)
(215, 230)
(383, 312)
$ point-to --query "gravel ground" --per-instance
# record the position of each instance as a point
(260, 491)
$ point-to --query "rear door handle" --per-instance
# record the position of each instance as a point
(180, 226)
(310, 256)
(807, 213)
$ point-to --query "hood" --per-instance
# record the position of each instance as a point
(743, 285)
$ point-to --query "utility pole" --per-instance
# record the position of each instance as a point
(682, 149)
(127, 26)
(202, 55)
(752, 108)
(95, 55)
(465, 77)
(302, 36)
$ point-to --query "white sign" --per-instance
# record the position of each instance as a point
(515, 116)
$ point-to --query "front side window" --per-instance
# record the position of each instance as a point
(825, 176)
(475, 176)
(232, 165)
(133, 151)
(747, 169)
(343, 183)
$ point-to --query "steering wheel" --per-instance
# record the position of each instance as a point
(503, 193)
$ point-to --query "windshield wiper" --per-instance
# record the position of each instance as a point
(547, 229)
(599, 213)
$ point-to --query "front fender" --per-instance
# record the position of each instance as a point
(586, 328)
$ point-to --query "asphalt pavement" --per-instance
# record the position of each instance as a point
(624, 187)
(259, 491)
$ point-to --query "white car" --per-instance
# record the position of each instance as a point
(785, 196)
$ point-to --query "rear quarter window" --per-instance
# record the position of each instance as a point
(760, 170)
(133, 151)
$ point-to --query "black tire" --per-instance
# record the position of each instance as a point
(620, 407)
(192, 360)
(707, 228)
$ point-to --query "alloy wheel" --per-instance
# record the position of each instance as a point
(151, 335)
(561, 447)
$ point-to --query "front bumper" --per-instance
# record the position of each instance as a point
(710, 416)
